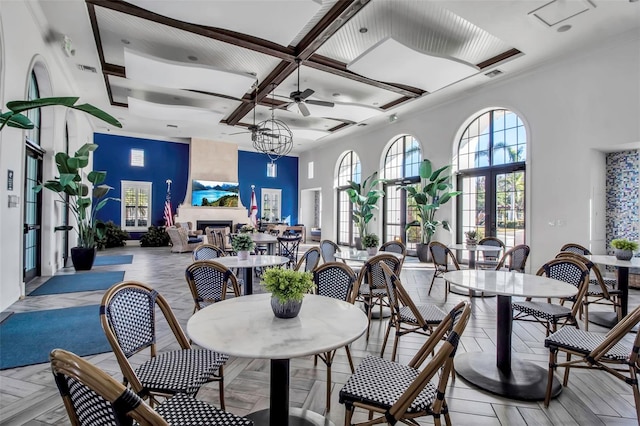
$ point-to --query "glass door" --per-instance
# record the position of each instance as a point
(271, 204)
(32, 214)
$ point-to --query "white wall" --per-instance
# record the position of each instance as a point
(572, 109)
(22, 47)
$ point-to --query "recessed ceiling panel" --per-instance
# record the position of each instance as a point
(171, 112)
(279, 21)
(427, 72)
(558, 11)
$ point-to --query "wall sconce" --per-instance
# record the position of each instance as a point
(272, 170)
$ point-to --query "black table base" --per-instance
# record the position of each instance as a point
(526, 380)
(297, 417)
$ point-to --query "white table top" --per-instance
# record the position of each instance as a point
(361, 255)
(477, 247)
(252, 261)
(261, 237)
(611, 260)
(510, 283)
(246, 327)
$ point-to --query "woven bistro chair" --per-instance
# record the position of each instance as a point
(599, 292)
(576, 248)
(407, 317)
(288, 247)
(490, 259)
(328, 249)
(92, 397)
(309, 260)
(441, 254)
(605, 352)
(514, 259)
(207, 252)
(396, 393)
(371, 286)
(551, 314)
(394, 247)
(336, 280)
(128, 318)
(209, 282)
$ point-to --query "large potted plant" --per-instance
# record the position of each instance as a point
(73, 191)
(426, 201)
(364, 198)
(287, 288)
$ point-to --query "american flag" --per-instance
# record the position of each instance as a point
(168, 215)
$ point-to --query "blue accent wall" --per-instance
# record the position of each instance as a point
(170, 160)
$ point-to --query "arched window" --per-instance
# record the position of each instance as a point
(401, 165)
(491, 166)
(348, 170)
(33, 135)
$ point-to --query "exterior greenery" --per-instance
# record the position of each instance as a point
(73, 191)
(436, 191)
(155, 237)
(370, 240)
(113, 236)
(242, 242)
(624, 244)
(364, 198)
(287, 284)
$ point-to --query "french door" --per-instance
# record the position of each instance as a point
(32, 233)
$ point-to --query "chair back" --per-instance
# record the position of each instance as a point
(491, 256)
(92, 397)
(517, 258)
(440, 255)
(309, 260)
(208, 282)
(128, 318)
(372, 272)
(207, 252)
(219, 237)
(398, 296)
(571, 271)
(336, 280)
(394, 247)
(591, 267)
(452, 327)
(288, 247)
(576, 248)
(328, 249)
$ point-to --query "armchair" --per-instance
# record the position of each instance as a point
(180, 241)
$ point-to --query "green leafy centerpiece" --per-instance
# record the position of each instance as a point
(370, 242)
(287, 288)
(242, 244)
(624, 248)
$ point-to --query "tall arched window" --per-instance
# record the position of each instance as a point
(348, 170)
(401, 165)
(491, 165)
(33, 135)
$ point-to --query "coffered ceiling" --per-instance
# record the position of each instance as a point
(212, 69)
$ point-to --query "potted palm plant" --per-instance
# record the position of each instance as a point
(287, 288)
(434, 192)
(72, 188)
(364, 198)
(242, 244)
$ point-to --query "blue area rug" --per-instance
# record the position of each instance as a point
(113, 260)
(27, 338)
(86, 281)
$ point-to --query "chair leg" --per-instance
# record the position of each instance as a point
(432, 280)
(348, 413)
(553, 357)
(395, 344)
(386, 337)
(565, 380)
(633, 372)
(367, 303)
(346, 348)
(586, 317)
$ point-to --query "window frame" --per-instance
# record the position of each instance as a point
(124, 186)
(355, 174)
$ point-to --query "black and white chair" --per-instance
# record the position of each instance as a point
(209, 282)
(309, 260)
(489, 259)
(443, 261)
(207, 252)
(328, 250)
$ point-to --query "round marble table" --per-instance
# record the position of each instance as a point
(261, 238)
(499, 373)
(610, 319)
(248, 265)
(472, 264)
(246, 327)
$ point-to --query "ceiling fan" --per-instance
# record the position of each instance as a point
(300, 98)
(254, 129)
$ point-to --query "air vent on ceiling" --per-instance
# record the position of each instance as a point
(87, 68)
(493, 73)
(173, 126)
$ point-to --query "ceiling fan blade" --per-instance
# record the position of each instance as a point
(303, 109)
(320, 103)
(238, 133)
(307, 93)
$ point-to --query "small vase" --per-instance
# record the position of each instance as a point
(371, 251)
(243, 254)
(288, 309)
(623, 254)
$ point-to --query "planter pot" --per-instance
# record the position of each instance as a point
(472, 243)
(243, 255)
(288, 309)
(358, 242)
(423, 252)
(372, 251)
(623, 254)
(83, 258)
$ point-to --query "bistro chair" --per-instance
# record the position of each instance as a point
(371, 286)
(549, 314)
(600, 351)
(397, 393)
(309, 260)
(92, 397)
(441, 254)
(336, 280)
(515, 258)
(407, 317)
(576, 248)
(490, 259)
(128, 318)
(598, 292)
(394, 247)
(209, 282)
(328, 249)
(288, 247)
(207, 252)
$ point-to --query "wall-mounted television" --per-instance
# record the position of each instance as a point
(209, 193)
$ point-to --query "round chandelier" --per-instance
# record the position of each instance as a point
(273, 137)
